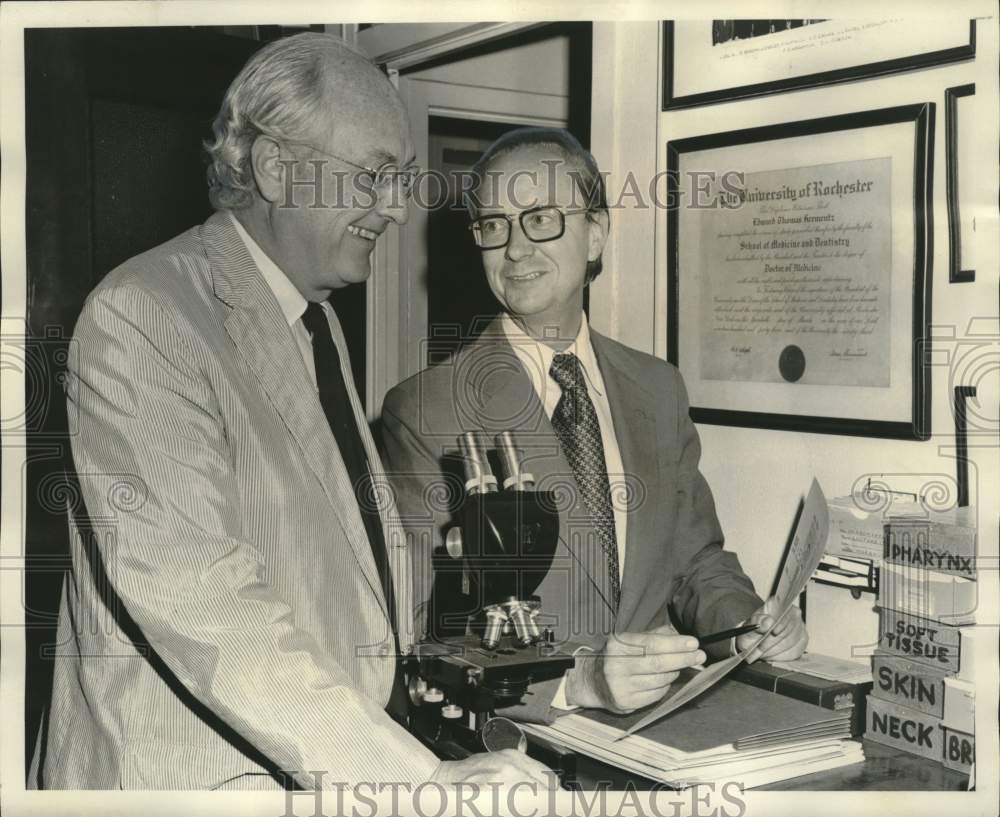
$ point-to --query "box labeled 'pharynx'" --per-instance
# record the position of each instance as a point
(932, 543)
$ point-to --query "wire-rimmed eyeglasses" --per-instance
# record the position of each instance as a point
(539, 224)
(377, 179)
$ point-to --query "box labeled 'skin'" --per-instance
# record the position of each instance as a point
(909, 684)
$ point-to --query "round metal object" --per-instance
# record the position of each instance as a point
(417, 689)
(479, 476)
(496, 620)
(498, 734)
(453, 542)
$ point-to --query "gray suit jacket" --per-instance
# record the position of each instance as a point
(223, 618)
(675, 564)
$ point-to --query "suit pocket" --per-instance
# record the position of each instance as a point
(148, 765)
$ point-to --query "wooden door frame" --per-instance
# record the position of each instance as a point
(397, 292)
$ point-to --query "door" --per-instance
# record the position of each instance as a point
(428, 286)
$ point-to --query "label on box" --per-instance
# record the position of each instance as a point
(923, 641)
(911, 542)
(958, 749)
(910, 684)
(855, 529)
(904, 728)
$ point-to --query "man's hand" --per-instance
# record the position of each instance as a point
(506, 767)
(786, 642)
(632, 670)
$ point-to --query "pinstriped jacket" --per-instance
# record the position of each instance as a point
(223, 620)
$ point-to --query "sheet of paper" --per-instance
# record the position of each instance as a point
(806, 550)
(804, 554)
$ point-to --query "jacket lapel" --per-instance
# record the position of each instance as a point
(262, 337)
(633, 410)
(392, 528)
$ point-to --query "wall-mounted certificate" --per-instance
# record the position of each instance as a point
(797, 272)
(958, 141)
(797, 282)
(708, 61)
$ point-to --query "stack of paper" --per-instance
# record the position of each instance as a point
(731, 732)
(829, 667)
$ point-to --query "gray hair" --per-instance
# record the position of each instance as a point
(583, 169)
(279, 92)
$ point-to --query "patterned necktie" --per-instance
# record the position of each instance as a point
(336, 402)
(575, 423)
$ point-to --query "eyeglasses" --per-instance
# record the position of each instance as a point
(539, 224)
(377, 179)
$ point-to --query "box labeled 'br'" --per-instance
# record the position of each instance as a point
(958, 749)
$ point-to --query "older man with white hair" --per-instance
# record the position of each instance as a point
(237, 604)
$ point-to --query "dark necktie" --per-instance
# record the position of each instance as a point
(575, 423)
(334, 397)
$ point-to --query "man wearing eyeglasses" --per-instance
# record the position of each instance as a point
(640, 570)
(238, 603)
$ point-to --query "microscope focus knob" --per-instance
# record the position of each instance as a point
(453, 542)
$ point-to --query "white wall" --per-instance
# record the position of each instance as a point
(759, 476)
(540, 67)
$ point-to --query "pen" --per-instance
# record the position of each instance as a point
(722, 636)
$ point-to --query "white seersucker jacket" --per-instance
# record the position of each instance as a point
(223, 619)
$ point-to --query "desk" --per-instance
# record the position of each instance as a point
(884, 769)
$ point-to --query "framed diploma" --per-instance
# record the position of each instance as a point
(708, 61)
(958, 103)
(798, 273)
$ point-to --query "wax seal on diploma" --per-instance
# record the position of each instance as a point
(791, 363)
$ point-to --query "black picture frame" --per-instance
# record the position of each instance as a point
(956, 275)
(877, 68)
(918, 424)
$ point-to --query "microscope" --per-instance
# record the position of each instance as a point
(505, 540)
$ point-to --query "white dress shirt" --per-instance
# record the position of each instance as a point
(290, 300)
(537, 359)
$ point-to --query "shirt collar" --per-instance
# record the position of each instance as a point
(537, 357)
(290, 300)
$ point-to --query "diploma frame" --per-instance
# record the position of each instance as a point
(911, 421)
(956, 275)
(806, 68)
